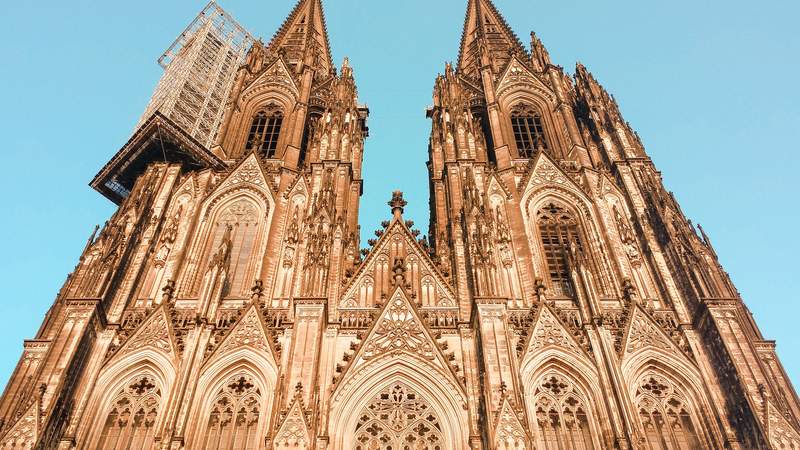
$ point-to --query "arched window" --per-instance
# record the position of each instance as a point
(233, 420)
(398, 418)
(665, 415)
(232, 244)
(265, 130)
(131, 421)
(526, 123)
(560, 241)
(562, 415)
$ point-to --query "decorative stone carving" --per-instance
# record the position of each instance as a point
(248, 331)
(548, 331)
(398, 417)
(398, 329)
(293, 432)
(642, 333)
(24, 433)
(509, 433)
(154, 332)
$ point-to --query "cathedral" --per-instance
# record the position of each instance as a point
(560, 299)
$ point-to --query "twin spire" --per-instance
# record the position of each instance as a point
(486, 38)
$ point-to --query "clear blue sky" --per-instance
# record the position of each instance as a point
(711, 87)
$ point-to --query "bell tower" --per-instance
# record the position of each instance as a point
(554, 227)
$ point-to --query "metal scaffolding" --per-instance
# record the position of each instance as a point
(199, 71)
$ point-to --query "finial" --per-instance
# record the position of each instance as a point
(397, 203)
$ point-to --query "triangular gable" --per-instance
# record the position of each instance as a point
(606, 185)
(496, 186)
(781, 433)
(517, 73)
(324, 90)
(508, 429)
(298, 186)
(643, 332)
(276, 73)
(294, 431)
(248, 171)
(383, 247)
(400, 329)
(155, 332)
(249, 331)
(548, 331)
(474, 85)
(544, 172)
(188, 185)
(24, 433)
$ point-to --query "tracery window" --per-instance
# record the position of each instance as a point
(398, 418)
(561, 241)
(526, 122)
(235, 232)
(562, 415)
(665, 415)
(265, 130)
(233, 420)
(130, 423)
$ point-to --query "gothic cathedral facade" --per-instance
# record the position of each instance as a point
(560, 301)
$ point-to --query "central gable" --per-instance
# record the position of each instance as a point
(399, 333)
(396, 249)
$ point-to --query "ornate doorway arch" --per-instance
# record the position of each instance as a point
(398, 406)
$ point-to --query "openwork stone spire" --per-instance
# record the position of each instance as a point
(303, 37)
(486, 39)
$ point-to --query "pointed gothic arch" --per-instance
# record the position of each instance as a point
(127, 401)
(536, 100)
(233, 401)
(237, 221)
(273, 89)
(243, 202)
(673, 411)
(564, 411)
(286, 273)
(384, 386)
(527, 126)
(563, 401)
(551, 190)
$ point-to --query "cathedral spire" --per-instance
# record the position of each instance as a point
(303, 37)
(486, 35)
